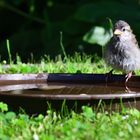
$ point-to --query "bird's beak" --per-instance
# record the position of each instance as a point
(117, 32)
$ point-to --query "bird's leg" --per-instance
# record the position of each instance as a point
(108, 75)
(128, 76)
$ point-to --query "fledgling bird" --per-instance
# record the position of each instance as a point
(122, 52)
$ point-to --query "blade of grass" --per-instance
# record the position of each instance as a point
(9, 52)
(62, 46)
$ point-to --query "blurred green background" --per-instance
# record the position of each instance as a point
(33, 26)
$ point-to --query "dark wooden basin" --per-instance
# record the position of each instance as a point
(34, 91)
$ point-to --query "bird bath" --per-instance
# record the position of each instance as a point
(33, 91)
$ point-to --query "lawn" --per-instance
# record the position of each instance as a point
(77, 63)
(89, 124)
(86, 125)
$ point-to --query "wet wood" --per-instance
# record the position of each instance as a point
(117, 80)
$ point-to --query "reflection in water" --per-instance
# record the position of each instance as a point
(17, 87)
(69, 90)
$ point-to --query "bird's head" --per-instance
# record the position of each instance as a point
(122, 30)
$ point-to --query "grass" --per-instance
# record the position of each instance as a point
(87, 125)
(77, 63)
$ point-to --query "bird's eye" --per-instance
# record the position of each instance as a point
(123, 29)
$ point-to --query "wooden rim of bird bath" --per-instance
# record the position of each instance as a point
(69, 86)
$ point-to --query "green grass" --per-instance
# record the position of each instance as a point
(77, 63)
(73, 64)
(87, 125)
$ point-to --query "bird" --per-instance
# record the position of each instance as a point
(123, 52)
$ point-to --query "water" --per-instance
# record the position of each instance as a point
(70, 91)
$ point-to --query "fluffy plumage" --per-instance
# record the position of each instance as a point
(122, 52)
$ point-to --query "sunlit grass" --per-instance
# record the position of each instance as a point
(72, 64)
